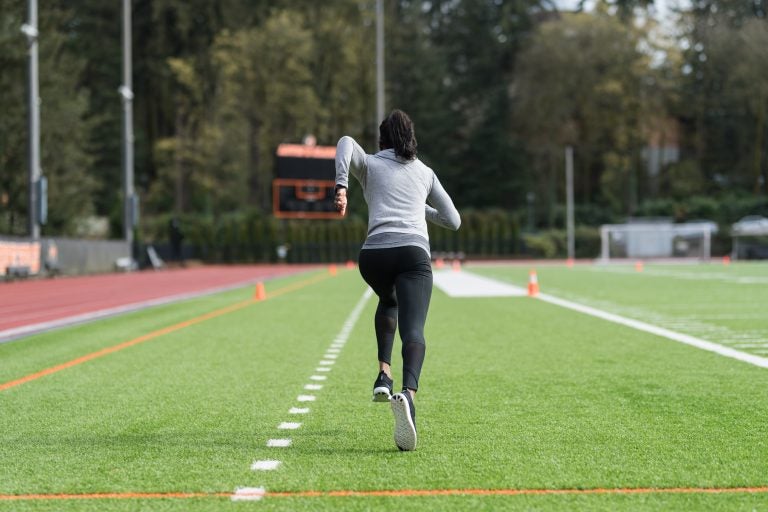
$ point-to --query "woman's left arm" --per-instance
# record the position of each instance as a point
(444, 213)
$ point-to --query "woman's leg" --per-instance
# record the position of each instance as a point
(413, 287)
(375, 267)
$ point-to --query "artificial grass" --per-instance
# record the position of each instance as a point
(515, 393)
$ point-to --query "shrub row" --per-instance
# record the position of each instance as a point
(250, 237)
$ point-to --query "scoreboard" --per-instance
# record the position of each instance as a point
(305, 184)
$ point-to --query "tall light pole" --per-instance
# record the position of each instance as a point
(36, 185)
(569, 201)
(130, 205)
(379, 62)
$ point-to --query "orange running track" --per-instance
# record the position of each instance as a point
(28, 307)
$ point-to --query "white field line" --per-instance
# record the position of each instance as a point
(694, 276)
(256, 493)
(659, 331)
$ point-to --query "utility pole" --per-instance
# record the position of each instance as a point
(130, 203)
(379, 63)
(37, 200)
(569, 201)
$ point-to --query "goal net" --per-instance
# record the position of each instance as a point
(656, 240)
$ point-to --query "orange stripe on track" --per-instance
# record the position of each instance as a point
(388, 493)
(155, 334)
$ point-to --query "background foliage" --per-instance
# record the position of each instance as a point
(497, 88)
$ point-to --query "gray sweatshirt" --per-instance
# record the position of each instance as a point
(397, 191)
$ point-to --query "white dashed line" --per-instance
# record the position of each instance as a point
(313, 387)
(318, 377)
(299, 410)
(288, 425)
(265, 465)
(278, 443)
(305, 398)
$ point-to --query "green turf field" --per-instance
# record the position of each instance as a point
(517, 396)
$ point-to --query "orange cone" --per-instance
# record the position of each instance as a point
(726, 260)
(639, 266)
(260, 293)
(332, 270)
(569, 263)
(350, 264)
(533, 283)
(456, 266)
(439, 263)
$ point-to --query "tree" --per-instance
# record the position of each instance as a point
(581, 83)
(724, 94)
(64, 158)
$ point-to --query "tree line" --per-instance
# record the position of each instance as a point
(659, 117)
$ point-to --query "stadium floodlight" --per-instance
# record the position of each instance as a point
(30, 31)
(125, 92)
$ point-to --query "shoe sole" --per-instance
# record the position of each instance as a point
(381, 394)
(405, 430)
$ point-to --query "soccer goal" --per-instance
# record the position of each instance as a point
(656, 240)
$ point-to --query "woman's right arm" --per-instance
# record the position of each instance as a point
(350, 159)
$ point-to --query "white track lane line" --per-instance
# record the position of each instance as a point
(278, 443)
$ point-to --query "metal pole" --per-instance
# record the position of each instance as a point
(379, 62)
(126, 91)
(30, 30)
(569, 200)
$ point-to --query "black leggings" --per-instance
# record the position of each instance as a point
(402, 279)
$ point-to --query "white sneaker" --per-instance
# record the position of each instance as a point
(405, 421)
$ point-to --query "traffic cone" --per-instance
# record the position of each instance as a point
(639, 266)
(569, 263)
(439, 263)
(456, 266)
(533, 284)
(350, 264)
(332, 270)
(260, 293)
(726, 260)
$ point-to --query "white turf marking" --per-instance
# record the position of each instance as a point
(627, 322)
(326, 362)
(256, 493)
(333, 350)
(265, 465)
(318, 377)
(313, 387)
(659, 331)
(248, 494)
(466, 284)
(331, 356)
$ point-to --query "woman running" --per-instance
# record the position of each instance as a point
(395, 258)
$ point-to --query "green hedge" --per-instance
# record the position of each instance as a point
(250, 237)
